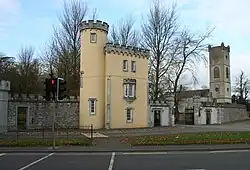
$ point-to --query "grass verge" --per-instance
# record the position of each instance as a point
(45, 142)
(192, 138)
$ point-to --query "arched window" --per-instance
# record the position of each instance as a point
(216, 72)
(227, 72)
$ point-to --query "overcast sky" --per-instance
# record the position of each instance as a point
(29, 22)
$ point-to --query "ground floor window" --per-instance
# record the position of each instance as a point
(129, 115)
(92, 106)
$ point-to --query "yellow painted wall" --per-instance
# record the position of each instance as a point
(114, 71)
(92, 64)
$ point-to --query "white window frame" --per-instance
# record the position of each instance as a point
(125, 65)
(133, 66)
(93, 37)
(129, 111)
(129, 90)
(92, 106)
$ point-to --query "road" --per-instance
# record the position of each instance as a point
(214, 160)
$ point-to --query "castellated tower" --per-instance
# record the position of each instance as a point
(220, 79)
(114, 80)
(92, 90)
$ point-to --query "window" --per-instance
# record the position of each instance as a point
(133, 66)
(226, 57)
(227, 89)
(129, 90)
(125, 65)
(92, 106)
(227, 72)
(93, 37)
(216, 72)
(129, 115)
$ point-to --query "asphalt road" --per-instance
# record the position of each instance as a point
(214, 160)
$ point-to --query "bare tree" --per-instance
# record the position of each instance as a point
(159, 35)
(241, 89)
(28, 70)
(191, 48)
(124, 33)
(94, 14)
(63, 54)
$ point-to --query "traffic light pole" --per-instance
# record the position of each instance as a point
(53, 125)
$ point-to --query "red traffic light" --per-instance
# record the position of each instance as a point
(52, 81)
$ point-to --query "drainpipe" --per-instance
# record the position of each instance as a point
(108, 103)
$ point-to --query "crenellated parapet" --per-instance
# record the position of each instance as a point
(38, 98)
(4, 85)
(127, 50)
(222, 46)
(92, 24)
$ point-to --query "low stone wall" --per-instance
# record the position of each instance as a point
(40, 112)
(233, 112)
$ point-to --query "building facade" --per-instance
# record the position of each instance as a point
(114, 81)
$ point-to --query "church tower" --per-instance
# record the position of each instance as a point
(92, 69)
(219, 69)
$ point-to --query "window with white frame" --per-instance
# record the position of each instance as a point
(93, 37)
(129, 90)
(133, 66)
(129, 115)
(92, 106)
(125, 65)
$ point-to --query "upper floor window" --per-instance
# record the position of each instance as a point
(216, 72)
(93, 37)
(92, 106)
(227, 72)
(133, 66)
(129, 88)
(125, 65)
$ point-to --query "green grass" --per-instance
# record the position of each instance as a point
(45, 142)
(192, 138)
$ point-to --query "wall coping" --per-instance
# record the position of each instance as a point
(92, 24)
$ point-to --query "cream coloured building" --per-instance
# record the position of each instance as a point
(114, 81)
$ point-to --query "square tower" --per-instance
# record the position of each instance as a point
(219, 69)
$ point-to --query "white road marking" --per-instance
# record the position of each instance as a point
(145, 153)
(229, 151)
(2, 154)
(112, 160)
(35, 162)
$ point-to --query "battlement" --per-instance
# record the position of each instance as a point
(38, 98)
(92, 24)
(4, 85)
(222, 46)
(127, 50)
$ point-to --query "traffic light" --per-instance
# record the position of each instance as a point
(61, 89)
(47, 89)
(53, 83)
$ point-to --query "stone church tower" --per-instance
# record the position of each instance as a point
(219, 70)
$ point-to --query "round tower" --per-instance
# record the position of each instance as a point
(92, 69)
(220, 79)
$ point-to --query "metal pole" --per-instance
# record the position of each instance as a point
(53, 125)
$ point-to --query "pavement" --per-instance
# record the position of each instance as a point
(209, 160)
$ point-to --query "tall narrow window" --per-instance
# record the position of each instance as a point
(216, 72)
(93, 37)
(133, 66)
(227, 72)
(129, 115)
(92, 106)
(125, 65)
(129, 90)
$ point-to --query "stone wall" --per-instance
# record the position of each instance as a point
(233, 112)
(40, 112)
